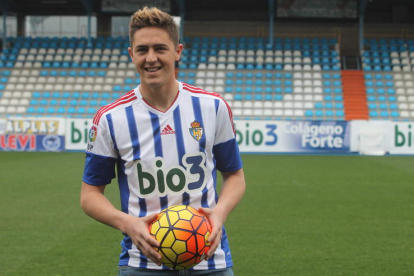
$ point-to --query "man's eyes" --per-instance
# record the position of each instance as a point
(159, 49)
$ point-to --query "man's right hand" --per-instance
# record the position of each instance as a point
(138, 230)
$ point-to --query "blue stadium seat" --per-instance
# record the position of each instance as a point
(80, 110)
(248, 89)
(367, 76)
(288, 90)
(308, 113)
(339, 113)
(318, 105)
(258, 89)
(71, 110)
(277, 82)
(383, 106)
(31, 110)
(238, 97)
(278, 90)
(395, 114)
(384, 114)
(248, 97)
(258, 97)
(85, 95)
(380, 91)
(66, 95)
(61, 110)
(319, 113)
(391, 91)
(393, 106)
(91, 110)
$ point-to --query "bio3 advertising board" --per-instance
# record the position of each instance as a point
(402, 138)
(32, 134)
(293, 136)
(77, 131)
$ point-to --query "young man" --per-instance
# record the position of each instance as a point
(162, 125)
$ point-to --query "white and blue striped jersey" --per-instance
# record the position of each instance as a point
(163, 158)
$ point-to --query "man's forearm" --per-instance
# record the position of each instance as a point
(97, 206)
(232, 192)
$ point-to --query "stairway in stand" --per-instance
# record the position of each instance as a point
(355, 99)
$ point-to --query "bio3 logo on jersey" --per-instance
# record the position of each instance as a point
(175, 179)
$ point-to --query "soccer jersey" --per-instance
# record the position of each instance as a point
(164, 158)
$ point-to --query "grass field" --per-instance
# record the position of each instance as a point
(301, 215)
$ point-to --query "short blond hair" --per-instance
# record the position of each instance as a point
(153, 17)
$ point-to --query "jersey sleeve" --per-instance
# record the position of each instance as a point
(225, 149)
(101, 156)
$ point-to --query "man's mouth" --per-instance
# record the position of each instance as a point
(152, 69)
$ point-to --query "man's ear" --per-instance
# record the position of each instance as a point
(131, 53)
(178, 52)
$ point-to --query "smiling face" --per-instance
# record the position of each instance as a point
(154, 55)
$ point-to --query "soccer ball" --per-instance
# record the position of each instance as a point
(182, 232)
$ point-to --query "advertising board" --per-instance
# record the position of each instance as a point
(293, 136)
(32, 134)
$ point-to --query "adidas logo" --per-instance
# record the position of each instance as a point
(167, 130)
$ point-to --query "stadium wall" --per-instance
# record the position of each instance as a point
(307, 137)
(346, 31)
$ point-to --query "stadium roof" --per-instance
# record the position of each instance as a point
(204, 9)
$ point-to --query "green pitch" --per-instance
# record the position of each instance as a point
(301, 215)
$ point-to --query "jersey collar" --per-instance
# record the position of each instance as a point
(155, 110)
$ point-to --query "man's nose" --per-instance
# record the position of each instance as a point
(151, 56)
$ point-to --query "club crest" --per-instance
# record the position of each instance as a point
(196, 130)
